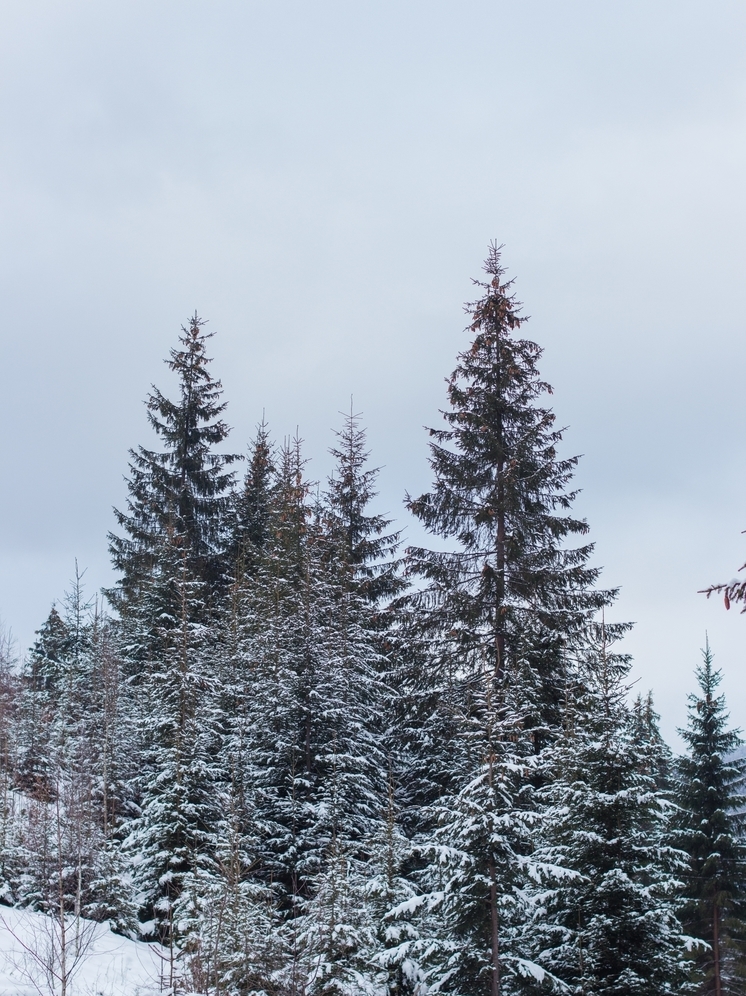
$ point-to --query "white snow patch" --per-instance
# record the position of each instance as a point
(98, 962)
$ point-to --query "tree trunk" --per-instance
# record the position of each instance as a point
(500, 570)
(716, 948)
(495, 933)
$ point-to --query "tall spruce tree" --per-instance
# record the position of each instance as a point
(711, 831)
(501, 499)
(302, 743)
(174, 563)
(179, 495)
(498, 609)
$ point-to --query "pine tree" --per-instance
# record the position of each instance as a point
(180, 791)
(604, 911)
(41, 681)
(253, 504)
(73, 765)
(360, 540)
(499, 610)
(182, 493)
(711, 827)
(469, 924)
(501, 496)
(311, 759)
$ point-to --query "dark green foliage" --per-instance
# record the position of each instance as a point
(42, 674)
(175, 563)
(501, 495)
(313, 662)
(469, 925)
(253, 505)
(360, 540)
(178, 738)
(604, 916)
(72, 761)
(180, 495)
(496, 617)
(648, 739)
(711, 831)
(51, 648)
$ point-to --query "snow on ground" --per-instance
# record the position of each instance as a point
(97, 963)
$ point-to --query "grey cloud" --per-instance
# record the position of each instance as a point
(321, 181)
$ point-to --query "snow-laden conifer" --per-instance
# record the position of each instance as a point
(230, 930)
(302, 744)
(41, 680)
(11, 841)
(186, 481)
(73, 769)
(391, 897)
(710, 829)
(501, 501)
(498, 608)
(604, 906)
(467, 922)
(179, 785)
(361, 540)
(648, 737)
(253, 505)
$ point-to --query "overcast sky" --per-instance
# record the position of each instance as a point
(320, 181)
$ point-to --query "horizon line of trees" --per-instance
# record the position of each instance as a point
(308, 761)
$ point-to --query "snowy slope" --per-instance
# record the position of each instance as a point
(107, 965)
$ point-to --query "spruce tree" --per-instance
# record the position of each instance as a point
(711, 832)
(360, 540)
(497, 611)
(41, 681)
(389, 892)
(180, 794)
(604, 908)
(336, 936)
(311, 762)
(232, 934)
(253, 504)
(648, 737)
(180, 494)
(73, 763)
(501, 500)
(174, 561)
(468, 928)
(11, 848)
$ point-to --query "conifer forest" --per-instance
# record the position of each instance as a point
(299, 757)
